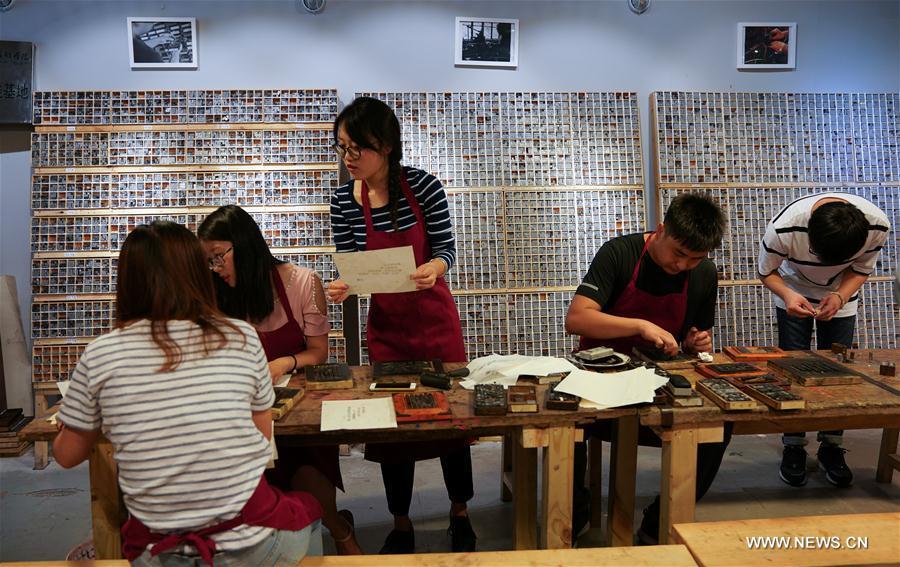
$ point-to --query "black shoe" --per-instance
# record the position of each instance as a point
(648, 533)
(831, 460)
(462, 536)
(581, 513)
(399, 542)
(793, 465)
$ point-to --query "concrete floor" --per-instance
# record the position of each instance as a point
(44, 514)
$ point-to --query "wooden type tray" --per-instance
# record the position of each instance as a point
(403, 369)
(335, 376)
(743, 354)
(815, 370)
(422, 406)
(725, 395)
(285, 399)
(522, 399)
(775, 396)
(561, 400)
(730, 370)
(680, 361)
(490, 399)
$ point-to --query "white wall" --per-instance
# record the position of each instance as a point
(846, 46)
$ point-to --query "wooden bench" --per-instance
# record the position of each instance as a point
(855, 539)
(669, 555)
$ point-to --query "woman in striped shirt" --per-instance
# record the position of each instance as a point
(192, 485)
(389, 206)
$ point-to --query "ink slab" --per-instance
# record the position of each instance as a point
(404, 370)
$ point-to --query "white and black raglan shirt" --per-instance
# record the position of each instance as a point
(785, 248)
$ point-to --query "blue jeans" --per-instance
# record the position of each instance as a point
(281, 549)
(795, 333)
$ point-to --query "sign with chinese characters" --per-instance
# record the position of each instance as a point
(15, 81)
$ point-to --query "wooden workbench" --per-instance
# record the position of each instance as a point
(554, 431)
(857, 406)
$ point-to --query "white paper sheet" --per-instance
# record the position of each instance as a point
(63, 387)
(283, 381)
(375, 413)
(377, 271)
(505, 369)
(613, 389)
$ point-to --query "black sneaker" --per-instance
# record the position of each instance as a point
(462, 536)
(399, 542)
(648, 533)
(793, 465)
(831, 460)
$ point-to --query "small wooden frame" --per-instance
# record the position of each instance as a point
(490, 399)
(422, 406)
(694, 400)
(285, 399)
(335, 376)
(739, 370)
(561, 400)
(725, 395)
(775, 396)
(522, 399)
(815, 371)
(743, 354)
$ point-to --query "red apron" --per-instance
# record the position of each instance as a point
(666, 311)
(285, 341)
(420, 325)
(267, 507)
(423, 324)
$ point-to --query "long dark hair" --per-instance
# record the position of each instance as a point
(163, 276)
(372, 124)
(252, 297)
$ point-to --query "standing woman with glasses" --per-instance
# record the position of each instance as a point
(387, 206)
(286, 305)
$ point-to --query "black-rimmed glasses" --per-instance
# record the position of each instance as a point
(218, 260)
(346, 151)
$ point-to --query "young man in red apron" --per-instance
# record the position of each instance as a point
(419, 325)
(653, 289)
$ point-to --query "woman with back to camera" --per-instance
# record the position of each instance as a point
(192, 485)
(286, 305)
(387, 206)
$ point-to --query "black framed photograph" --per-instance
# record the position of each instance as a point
(766, 45)
(162, 43)
(487, 42)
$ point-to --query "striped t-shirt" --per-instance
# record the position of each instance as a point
(349, 225)
(188, 452)
(785, 248)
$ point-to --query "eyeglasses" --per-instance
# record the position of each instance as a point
(218, 260)
(342, 151)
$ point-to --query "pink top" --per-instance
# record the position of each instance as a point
(303, 288)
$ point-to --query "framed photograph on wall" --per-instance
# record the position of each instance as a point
(162, 43)
(766, 45)
(487, 42)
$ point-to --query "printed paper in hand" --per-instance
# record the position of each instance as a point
(375, 413)
(377, 271)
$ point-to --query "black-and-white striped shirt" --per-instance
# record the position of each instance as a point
(188, 452)
(349, 225)
(785, 248)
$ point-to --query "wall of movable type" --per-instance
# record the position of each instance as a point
(106, 162)
(757, 152)
(536, 182)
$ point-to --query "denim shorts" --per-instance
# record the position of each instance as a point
(280, 548)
